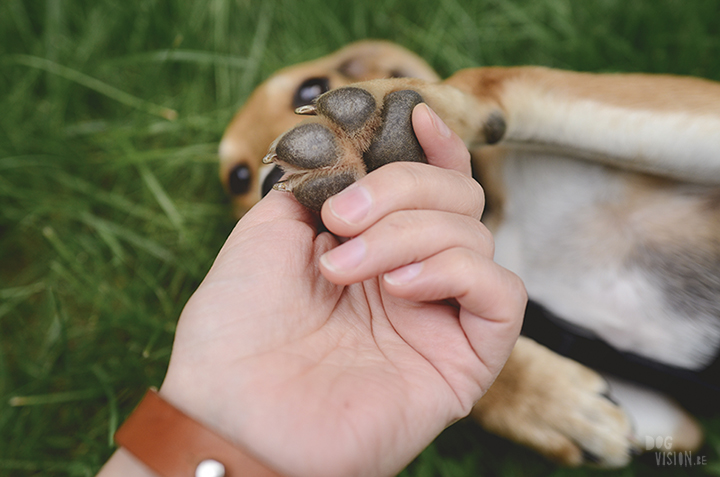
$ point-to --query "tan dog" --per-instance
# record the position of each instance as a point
(603, 195)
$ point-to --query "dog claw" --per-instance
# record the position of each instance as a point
(282, 186)
(269, 158)
(307, 110)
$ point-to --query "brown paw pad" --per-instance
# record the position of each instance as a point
(313, 192)
(396, 140)
(352, 135)
(349, 107)
(308, 146)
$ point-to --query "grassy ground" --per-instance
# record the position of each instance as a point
(110, 213)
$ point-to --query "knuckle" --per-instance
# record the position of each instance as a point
(465, 261)
(403, 223)
(397, 178)
(405, 181)
(486, 238)
(476, 195)
(520, 290)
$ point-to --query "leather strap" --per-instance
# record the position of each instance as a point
(173, 445)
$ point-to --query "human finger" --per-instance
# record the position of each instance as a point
(276, 233)
(492, 299)
(401, 238)
(469, 276)
(277, 205)
(442, 147)
(401, 186)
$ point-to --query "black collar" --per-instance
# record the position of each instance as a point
(698, 390)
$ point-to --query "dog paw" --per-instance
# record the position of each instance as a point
(354, 131)
(558, 407)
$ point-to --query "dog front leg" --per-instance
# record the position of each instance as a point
(663, 125)
(557, 407)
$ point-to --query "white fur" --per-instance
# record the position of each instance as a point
(684, 145)
(653, 415)
(546, 239)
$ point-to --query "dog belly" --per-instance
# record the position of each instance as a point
(581, 240)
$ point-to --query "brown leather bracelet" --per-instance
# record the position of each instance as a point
(174, 445)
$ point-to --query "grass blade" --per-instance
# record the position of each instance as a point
(94, 84)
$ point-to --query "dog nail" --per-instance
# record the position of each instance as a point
(351, 205)
(307, 110)
(345, 257)
(282, 186)
(269, 158)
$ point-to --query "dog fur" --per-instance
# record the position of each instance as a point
(603, 195)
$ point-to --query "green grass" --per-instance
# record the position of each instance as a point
(110, 213)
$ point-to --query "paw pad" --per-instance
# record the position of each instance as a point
(354, 133)
(350, 108)
(396, 140)
(308, 146)
(313, 193)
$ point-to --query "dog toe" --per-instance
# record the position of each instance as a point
(308, 146)
(314, 190)
(395, 139)
(349, 107)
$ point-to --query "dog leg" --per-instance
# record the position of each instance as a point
(557, 407)
(657, 124)
(653, 415)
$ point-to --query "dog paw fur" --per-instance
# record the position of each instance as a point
(558, 407)
(354, 131)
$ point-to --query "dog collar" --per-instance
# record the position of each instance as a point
(698, 390)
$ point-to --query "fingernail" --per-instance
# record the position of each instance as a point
(403, 275)
(345, 257)
(351, 205)
(439, 124)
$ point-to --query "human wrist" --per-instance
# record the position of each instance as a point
(161, 440)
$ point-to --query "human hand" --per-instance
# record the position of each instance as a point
(348, 359)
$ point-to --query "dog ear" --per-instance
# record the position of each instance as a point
(370, 59)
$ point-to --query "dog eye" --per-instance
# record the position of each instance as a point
(240, 178)
(275, 174)
(309, 90)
